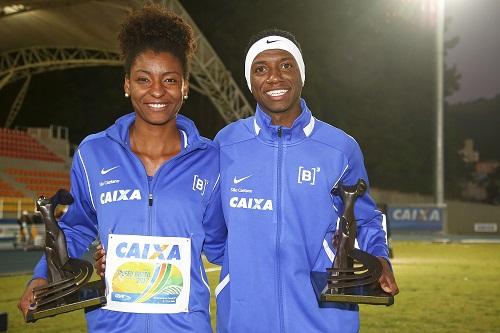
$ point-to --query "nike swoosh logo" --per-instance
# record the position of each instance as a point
(103, 172)
(271, 41)
(239, 180)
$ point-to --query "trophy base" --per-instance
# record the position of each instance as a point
(367, 294)
(91, 295)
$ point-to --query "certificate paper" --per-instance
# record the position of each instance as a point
(147, 274)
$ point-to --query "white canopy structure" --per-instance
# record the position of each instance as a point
(37, 36)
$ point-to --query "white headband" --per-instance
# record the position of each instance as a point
(272, 43)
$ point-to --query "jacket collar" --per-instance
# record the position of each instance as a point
(302, 127)
(190, 135)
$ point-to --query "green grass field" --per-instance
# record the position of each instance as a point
(443, 288)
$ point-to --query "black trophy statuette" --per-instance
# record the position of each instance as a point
(354, 275)
(68, 288)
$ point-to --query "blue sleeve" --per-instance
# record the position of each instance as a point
(79, 223)
(215, 228)
(371, 235)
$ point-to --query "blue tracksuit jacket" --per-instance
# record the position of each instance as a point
(113, 195)
(275, 188)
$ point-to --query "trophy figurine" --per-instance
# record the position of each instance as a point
(68, 288)
(354, 275)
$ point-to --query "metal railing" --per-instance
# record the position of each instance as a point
(12, 208)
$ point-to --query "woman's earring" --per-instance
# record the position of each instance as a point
(185, 97)
(127, 95)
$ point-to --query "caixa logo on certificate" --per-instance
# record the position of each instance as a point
(148, 274)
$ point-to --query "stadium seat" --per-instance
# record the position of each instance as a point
(19, 144)
(39, 182)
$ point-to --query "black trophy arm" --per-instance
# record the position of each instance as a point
(345, 236)
(349, 194)
(56, 252)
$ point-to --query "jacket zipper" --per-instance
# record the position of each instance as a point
(150, 229)
(150, 191)
(150, 201)
(278, 232)
(150, 208)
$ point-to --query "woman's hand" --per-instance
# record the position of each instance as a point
(100, 260)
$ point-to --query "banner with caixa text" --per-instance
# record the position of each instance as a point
(423, 217)
(146, 274)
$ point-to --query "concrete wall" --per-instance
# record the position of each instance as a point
(462, 217)
(53, 139)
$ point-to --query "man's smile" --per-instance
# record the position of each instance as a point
(277, 92)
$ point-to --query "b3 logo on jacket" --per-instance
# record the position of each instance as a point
(307, 176)
(199, 184)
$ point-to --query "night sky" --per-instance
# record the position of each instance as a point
(71, 96)
(477, 55)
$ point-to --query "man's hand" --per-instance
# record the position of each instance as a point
(387, 280)
(27, 297)
(100, 260)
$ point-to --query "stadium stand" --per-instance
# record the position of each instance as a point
(38, 181)
(20, 144)
(6, 190)
(33, 162)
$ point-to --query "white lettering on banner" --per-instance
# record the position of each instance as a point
(485, 227)
(251, 203)
(416, 214)
(120, 195)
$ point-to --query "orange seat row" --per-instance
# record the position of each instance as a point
(45, 190)
(43, 180)
(36, 173)
(6, 190)
(10, 193)
(31, 156)
(19, 144)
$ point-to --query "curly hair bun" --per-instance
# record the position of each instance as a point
(155, 28)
